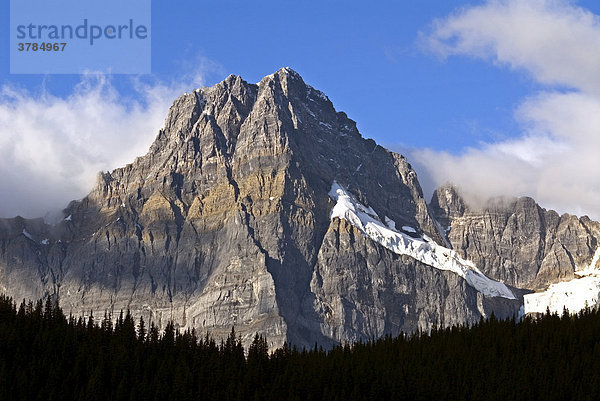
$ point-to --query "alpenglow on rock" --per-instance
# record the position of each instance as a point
(229, 220)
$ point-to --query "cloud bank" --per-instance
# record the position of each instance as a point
(53, 147)
(556, 156)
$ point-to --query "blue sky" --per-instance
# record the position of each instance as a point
(365, 56)
(387, 64)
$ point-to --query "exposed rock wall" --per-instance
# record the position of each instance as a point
(515, 240)
(226, 222)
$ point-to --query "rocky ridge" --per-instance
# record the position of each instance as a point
(515, 240)
(226, 221)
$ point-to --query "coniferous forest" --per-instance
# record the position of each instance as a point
(45, 355)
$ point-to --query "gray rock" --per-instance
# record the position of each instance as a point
(225, 222)
(515, 240)
(363, 291)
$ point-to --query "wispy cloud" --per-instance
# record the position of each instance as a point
(53, 147)
(555, 156)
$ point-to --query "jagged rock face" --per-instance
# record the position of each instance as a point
(364, 291)
(225, 221)
(515, 240)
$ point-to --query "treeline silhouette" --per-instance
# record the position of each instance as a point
(47, 356)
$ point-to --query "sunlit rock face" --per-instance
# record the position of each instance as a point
(517, 241)
(226, 221)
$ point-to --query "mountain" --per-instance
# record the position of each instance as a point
(260, 206)
(521, 244)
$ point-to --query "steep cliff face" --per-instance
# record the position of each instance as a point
(364, 291)
(515, 240)
(227, 221)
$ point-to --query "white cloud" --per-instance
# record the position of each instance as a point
(553, 40)
(556, 157)
(53, 147)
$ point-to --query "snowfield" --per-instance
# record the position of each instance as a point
(423, 249)
(574, 295)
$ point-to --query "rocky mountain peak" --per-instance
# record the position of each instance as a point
(215, 135)
(261, 206)
(515, 240)
(447, 204)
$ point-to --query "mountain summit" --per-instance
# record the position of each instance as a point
(259, 206)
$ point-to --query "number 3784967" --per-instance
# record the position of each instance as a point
(43, 47)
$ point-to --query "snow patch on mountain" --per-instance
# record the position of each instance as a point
(423, 249)
(390, 223)
(26, 234)
(574, 295)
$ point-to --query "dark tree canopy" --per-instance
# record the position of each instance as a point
(47, 356)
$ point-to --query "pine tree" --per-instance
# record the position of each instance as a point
(142, 330)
